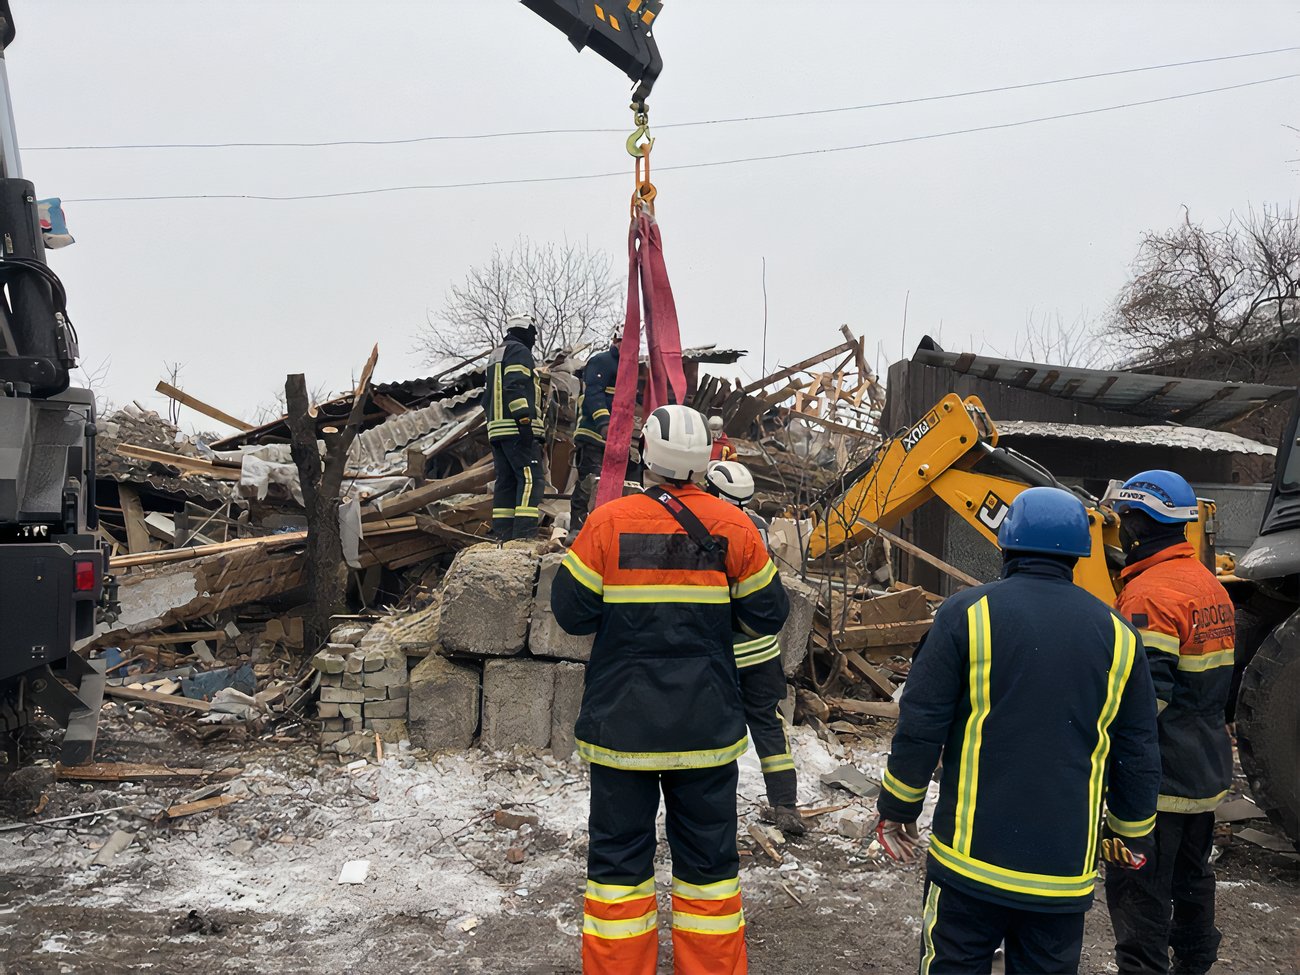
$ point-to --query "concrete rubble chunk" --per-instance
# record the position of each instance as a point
(354, 663)
(570, 679)
(372, 660)
(340, 695)
(488, 598)
(517, 698)
(328, 662)
(386, 709)
(443, 709)
(546, 638)
(798, 625)
(350, 634)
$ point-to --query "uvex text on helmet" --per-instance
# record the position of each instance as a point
(1164, 495)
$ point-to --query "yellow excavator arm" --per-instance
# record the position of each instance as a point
(936, 458)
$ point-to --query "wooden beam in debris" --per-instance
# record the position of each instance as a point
(878, 709)
(282, 540)
(132, 771)
(422, 497)
(859, 637)
(874, 677)
(196, 465)
(198, 406)
(153, 697)
(137, 532)
(798, 366)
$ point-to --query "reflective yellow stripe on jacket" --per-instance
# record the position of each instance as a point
(981, 665)
(1123, 653)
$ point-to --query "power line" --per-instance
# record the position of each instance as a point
(469, 137)
(517, 181)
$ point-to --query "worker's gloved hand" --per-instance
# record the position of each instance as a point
(1127, 853)
(634, 453)
(525, 431)
(788, 820)
(603, 428)
(900, 840)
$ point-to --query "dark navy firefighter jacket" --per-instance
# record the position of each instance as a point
(1038, 697)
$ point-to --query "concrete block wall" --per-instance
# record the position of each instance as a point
(363, 694)
(499, 669)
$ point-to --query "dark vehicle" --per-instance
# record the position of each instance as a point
(1268, 647)
(53, 580)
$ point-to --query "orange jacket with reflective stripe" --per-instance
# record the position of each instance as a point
(1187, 624)
(662, 690)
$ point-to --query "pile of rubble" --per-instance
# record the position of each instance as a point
(450, 640)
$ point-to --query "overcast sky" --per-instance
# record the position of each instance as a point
(981, 229)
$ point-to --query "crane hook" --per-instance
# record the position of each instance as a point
(635, 147)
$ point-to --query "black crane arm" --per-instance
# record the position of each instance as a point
(620, 31)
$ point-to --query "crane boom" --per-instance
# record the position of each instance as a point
(620, 31)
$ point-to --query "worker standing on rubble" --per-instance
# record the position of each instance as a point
(762, 680)
(1187, 624)
(722, 448)
(1038, 697)
(511, 404)
(593, 424)
(660, 577)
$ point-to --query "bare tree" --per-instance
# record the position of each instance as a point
(567, 286)
(1227, 296)
(173, 373)
(276, 408)
(1048, 339)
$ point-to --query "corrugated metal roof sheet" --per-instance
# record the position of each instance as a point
(1184, 438)
(1206, 401)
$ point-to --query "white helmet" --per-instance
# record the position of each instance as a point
(677, 442)
(715, 425)
(731, 482)
(520, 320)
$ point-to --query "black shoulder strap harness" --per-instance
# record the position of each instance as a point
(686, 518)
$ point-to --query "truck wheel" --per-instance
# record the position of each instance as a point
(1268, 726)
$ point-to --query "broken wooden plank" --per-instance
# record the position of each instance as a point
(282, 540)
(152, 697)
(198, 406)
(203, 805)
(874, 677)
(137, 532)
(130, 771)
(797, 367)
(422, 497)
(878, 709)
(193, 465)
(759, 836)
(881, 634)
(164, 639)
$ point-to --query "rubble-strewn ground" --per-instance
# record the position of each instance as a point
(253, 887)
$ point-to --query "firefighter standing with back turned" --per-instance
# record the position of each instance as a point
(1038, 697)
(662, 578)
(511, 404)
(593, 424)
(1187, 624)
(762, 679)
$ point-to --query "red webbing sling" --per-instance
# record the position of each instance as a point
(649, 295)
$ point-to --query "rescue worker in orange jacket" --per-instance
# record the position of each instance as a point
(661, 578)
(1186, 621)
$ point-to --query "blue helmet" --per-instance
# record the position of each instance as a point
(1164, 495)
(1047, 520)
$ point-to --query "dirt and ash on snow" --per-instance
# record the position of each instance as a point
(254, 886)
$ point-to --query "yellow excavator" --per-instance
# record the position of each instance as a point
(937, 458)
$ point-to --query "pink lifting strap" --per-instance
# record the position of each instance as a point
(667, 381)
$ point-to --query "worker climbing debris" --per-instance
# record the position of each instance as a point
(659, 577)
(510, 401)
(1186, 620)
(762, 681)
(1013, 852)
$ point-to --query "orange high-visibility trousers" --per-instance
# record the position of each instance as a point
(620, 921)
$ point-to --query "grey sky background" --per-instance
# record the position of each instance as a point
(981, 229)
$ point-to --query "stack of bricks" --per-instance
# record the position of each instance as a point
(363, 695)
